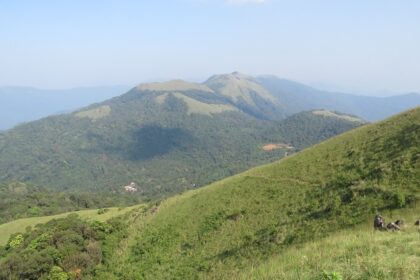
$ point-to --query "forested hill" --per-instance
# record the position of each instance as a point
(164, 137)
(220, 230)
(261, 224)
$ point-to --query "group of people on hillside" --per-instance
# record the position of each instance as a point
(379, 224)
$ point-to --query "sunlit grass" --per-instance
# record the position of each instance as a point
(361, 253)
(6, 230)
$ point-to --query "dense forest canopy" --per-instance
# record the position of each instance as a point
(164, 140)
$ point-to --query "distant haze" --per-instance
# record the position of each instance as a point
(369, 46)
(280, 98)
(21, 104)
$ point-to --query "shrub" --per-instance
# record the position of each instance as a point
(331, 276)
(102, 211)
(16, 241)
(399, 200)
(57, 273)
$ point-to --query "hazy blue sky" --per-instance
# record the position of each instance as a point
(355, 44)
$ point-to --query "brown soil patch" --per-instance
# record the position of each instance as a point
(276, 146)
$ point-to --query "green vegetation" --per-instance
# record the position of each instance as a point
(164, 140)
(359, 253)
(96, 113)
(328, 113)
(20, 225)
(248, 95)
(303, 130)
(271, 222)
(197, 107)
(222, 229)
(20, 200)
(68, 248)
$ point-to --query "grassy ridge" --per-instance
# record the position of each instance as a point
(8, 229)
(247, 218)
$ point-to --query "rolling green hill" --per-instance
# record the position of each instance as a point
(269, 97)
(173, 136)
(270, 222)
(244, 220)
(165, 137)
(248, 95)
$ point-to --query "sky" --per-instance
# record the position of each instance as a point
(363, 46)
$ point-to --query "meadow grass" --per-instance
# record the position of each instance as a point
(298, 218)
(359, 253)
(7, 229)
(223, 229)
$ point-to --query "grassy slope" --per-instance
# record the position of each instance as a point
(6, 230)
(359, 253)
(244, 220)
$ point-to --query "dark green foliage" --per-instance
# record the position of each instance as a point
(20, 200)
(160, 146)
(305, 129)
(243, 220)
(68, 248)
(154, 141)
(331, 276)
(215, 232)
(102, 211)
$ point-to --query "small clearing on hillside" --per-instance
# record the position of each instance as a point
(328, 113)
(275, 146)
(95, 113)
(197, 107)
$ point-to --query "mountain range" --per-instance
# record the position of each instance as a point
(172, 136)
(266, 96)
(299, 97)
(164, 137)
(306, 216)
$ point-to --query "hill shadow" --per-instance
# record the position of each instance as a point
(152, 141)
